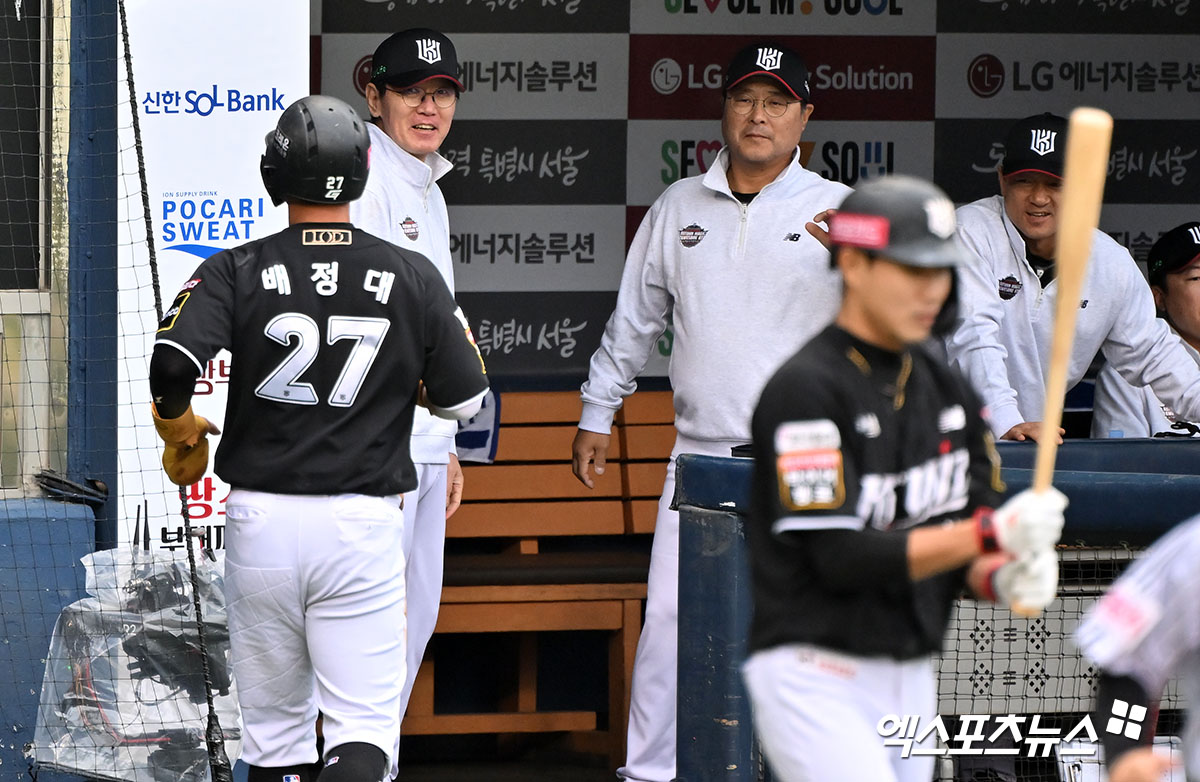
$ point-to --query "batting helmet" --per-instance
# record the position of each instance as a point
(904, 218)
(317, 154)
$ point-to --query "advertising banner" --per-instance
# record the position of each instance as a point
(212, 79)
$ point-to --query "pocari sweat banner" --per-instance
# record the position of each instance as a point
(211, 80)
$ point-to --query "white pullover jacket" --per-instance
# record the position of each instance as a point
(745, 286)
(1006, 323)
(403, 205)
(1122, 410)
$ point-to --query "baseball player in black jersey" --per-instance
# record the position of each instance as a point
(335, 336)
(874, 477)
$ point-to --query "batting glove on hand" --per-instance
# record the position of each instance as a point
(185, 455)
(1029, 522)
(1027, 585)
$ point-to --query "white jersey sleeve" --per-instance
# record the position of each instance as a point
(1148, 621)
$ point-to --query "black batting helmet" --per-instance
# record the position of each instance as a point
(317, 154)
(908, 220)
(903, 218)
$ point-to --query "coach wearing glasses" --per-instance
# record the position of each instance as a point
(412, 97)
(727, 258)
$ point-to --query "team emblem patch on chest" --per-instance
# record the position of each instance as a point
(1009, 287)
(809, 464)
(409, 226)
(691, 236)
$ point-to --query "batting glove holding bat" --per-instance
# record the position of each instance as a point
(185, 455)
(1030, 522)
(1026, 585)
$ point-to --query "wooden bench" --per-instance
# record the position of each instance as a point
(561, 558)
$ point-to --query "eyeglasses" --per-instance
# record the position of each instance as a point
(774, 107)
(443, 97)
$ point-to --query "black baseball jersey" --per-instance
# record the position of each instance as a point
(848, 436)
(330, 329)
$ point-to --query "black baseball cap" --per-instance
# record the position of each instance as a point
(778, 62)
(904, 218)
(1173, 251)
(412, 56)
(1037, 143)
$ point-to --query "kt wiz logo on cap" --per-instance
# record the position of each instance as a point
(1042, 141)
(769, 59)
(429, 50)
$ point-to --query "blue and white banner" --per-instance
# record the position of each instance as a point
(212, 79)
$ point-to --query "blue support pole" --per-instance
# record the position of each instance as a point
(92, 309)
(713, 728)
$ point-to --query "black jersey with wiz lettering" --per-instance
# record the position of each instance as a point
(331, 329)
(848, 436)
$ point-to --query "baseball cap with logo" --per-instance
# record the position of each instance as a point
(1174, 250)
(412, 56)
(904, 218)
(762, 59)
(1037, 143)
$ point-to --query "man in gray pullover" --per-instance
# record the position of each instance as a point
(1007, 296)
(726, 256)
(1123, 410)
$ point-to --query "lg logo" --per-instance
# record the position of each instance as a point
(985, 75)
(666, 76)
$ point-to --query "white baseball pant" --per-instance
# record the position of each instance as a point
(817, 713)
(314, 589)
(424, 560)
(650, 752)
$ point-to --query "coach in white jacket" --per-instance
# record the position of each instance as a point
(1124, 410)
(412, 98)
(1007, 296)
(727, 257)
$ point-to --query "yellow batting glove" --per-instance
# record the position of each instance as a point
(185, 455)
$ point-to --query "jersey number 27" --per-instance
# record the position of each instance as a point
(283, 383)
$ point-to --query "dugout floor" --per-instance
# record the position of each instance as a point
(484, 759)
(516, 771)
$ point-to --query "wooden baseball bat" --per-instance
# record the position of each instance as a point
(1089, 133)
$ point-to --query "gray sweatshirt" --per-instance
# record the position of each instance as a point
(1006, 322)
(1122, 410)
(745, 286)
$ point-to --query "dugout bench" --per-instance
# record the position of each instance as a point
(532, 550)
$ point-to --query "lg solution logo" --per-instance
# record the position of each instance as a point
(985, 75)
(666, 76)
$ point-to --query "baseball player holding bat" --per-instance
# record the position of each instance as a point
(1145, 630)
(874, 478)
(335, 335)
